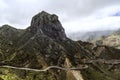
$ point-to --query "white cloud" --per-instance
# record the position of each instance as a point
(75, 15)
(102, 19)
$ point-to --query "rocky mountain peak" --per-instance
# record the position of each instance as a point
(47, 24)
(42, 47)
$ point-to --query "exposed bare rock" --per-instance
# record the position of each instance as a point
(48, 24)
(45, 44)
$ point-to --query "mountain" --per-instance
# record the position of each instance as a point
(112, 40)
(90, 35)
(44, 52)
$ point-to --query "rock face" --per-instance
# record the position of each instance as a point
(45, 44)
(49, 25)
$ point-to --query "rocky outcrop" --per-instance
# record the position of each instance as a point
(45, 44)
(47, 24)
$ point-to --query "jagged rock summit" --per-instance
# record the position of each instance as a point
(45, 44)
(47, 24)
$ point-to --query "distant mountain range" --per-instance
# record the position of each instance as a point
(112, 40)
(89, 35)
(107, 37)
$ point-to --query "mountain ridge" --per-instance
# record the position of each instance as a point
(112, 40)
(45, 44)
(89, 35)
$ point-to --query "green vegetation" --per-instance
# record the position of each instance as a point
(45, 44)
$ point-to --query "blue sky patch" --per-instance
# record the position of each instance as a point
(117, 14)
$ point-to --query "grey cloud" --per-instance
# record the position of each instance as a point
(21, 11)
(80, 7)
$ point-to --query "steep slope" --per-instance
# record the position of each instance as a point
(8, 38)
(45, 44)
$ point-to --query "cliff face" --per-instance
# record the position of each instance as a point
(47, 24)
(45, 44)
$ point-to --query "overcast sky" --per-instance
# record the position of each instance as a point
(75, 15)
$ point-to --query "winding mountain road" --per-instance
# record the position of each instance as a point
(46, 69)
